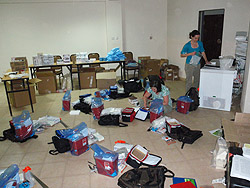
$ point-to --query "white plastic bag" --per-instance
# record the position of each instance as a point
(219, 158)
(195, 60)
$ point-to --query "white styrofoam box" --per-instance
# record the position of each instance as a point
(216, 88)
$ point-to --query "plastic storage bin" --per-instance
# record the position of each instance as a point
(183, 104)
(156, 109)
(106, 160)
(97, 107)
(23, 125)
(66, 101)
(79, 139)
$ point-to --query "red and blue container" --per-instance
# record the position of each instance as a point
(79, 139)
(156, 109)
(183, 104)
(106, 160)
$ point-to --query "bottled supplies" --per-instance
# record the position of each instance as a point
(10, 175)
(27, 176)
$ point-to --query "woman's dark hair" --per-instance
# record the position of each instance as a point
(157, 84)
(193, 33)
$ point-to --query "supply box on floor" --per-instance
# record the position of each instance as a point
(106, 78)
(19, 99)
(48, 83)
(88, 78)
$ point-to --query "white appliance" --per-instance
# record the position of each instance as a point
(216, 87)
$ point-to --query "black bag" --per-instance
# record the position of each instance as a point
(83, 107)
(10, 135)
(193, 94)
(111, 120)
(61, 144)
(185, 135)
(116, 95)
(151, 177)
(132, 85)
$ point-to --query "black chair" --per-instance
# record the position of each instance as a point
(129, 58)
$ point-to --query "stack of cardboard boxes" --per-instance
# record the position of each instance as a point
(19, 99)
(158, 67)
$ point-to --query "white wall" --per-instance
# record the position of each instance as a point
(245, 97)
(182, 17)
(143, 19)
(58, 27)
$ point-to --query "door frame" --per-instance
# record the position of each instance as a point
(203, 13)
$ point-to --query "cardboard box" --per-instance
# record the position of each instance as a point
(48, 82)
(237, 130)
(171, 72)
(19, 64)
(19, 99)
(150, 67)
(106, 78)
(88, 78)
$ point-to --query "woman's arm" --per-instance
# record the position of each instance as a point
(205, 57)
(165, 100)
(185, 55)
(145, 98)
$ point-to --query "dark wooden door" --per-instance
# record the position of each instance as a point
(211, 34)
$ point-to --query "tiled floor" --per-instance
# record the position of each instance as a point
(67, 171)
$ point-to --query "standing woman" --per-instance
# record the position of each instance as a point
(193, 50)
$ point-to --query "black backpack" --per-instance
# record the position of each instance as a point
(193, 94)
(11, 135)
(61, 144)
(151, 177)
(111, 120)
(132, 85)
(83, 107)
(185, 135)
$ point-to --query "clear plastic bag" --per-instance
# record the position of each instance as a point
(195, 59)
(23, 125)
(156, 106)
(97, 107)
(219, 158)
(66, 101)
(111, 111)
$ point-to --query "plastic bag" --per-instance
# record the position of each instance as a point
(23, 125)
(156, 106)
(44, 122)
(111, 111)
(106, 160)
(219, 158)
(115, 55)
(195, 59)
(159, 124)
(66, 101)
(97, 107)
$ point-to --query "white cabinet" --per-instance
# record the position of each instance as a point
(216, 87)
